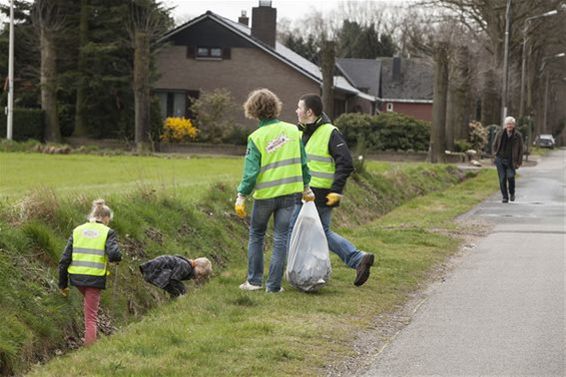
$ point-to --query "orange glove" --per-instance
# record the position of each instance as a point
(333, 199)
(64, 292)
(240, 206)
(308, 195)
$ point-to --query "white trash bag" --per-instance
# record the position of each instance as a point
(308, 262)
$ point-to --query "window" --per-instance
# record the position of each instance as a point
(389, 106)
(176, 103)
(216, 52)
(203, 52)
(212, 53)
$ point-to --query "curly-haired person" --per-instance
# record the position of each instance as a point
(276, 171)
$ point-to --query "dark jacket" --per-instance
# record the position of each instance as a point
(111, 249)
(516, 146)
(339, 151)
(163, 270)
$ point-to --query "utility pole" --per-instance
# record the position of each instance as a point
(505, 63)
(10, 108)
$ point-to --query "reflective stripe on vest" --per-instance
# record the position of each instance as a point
(321, 164)
(89, 243)
(280, 172)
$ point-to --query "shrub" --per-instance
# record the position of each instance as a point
(237, 135)
(213, 114)
(462, 145)
(178, 129)
(28, 124)
(478, 136)
(386, 131)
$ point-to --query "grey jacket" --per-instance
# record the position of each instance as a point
(162, 270)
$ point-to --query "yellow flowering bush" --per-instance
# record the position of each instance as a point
(178, 129)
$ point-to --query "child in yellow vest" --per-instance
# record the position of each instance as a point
(85, 262)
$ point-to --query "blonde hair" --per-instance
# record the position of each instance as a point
(262, 104)
(202, 269)
(100, 210)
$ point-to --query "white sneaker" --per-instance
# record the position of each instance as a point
(249, 287)
(279, 291)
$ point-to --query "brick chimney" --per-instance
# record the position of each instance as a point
(396, 69)
(264, 22)
(244, 19)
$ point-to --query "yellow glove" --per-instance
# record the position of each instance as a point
(308, 195)
(64, 292)
(240, 206)
(333, 199)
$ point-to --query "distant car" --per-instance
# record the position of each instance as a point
(545, 141)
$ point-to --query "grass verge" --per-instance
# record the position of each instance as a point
(218, 330)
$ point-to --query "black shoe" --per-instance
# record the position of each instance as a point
(505, 200)
(512, 198)
(362, 271)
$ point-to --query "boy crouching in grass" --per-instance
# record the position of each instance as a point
(168, 271)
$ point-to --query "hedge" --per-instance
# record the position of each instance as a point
(386, 131)
(28, 124)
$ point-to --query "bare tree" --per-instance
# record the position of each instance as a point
(328, 55)
(146, 22)
(48, 19)
(80, 127)
(440, 55)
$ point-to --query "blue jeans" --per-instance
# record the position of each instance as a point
(336, 243)
(506, 173)
(282, 209)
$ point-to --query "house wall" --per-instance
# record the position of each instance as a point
(360, 105)
(246, 70)
(422, 111)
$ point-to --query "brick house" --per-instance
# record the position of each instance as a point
(400, 85)
(210, 52)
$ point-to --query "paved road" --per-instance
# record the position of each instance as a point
(501, 311)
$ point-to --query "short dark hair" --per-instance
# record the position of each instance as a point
(313, 102)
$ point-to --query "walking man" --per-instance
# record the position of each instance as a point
(508, 150)
(330, 165)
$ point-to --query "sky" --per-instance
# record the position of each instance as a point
(290, 9)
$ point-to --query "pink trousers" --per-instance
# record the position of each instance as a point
(91, 302)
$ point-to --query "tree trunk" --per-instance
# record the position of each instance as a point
(451, 111)
(48, 72)
(141, 90)
(438, 134)
(463, 102)
(328, 56)
(80, 126)
(490, 100)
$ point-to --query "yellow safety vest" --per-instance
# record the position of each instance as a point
(321, 164)
(280, 147)
(89, 243)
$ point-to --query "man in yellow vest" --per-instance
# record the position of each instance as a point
(330, 165)
(276, 171)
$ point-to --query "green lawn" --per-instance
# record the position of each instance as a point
(104, 175)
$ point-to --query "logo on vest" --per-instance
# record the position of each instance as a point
(90, 233)
(277, 143)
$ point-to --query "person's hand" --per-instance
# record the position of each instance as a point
(64, 292)
(333, 199)
(308, 195)
(240, 206)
